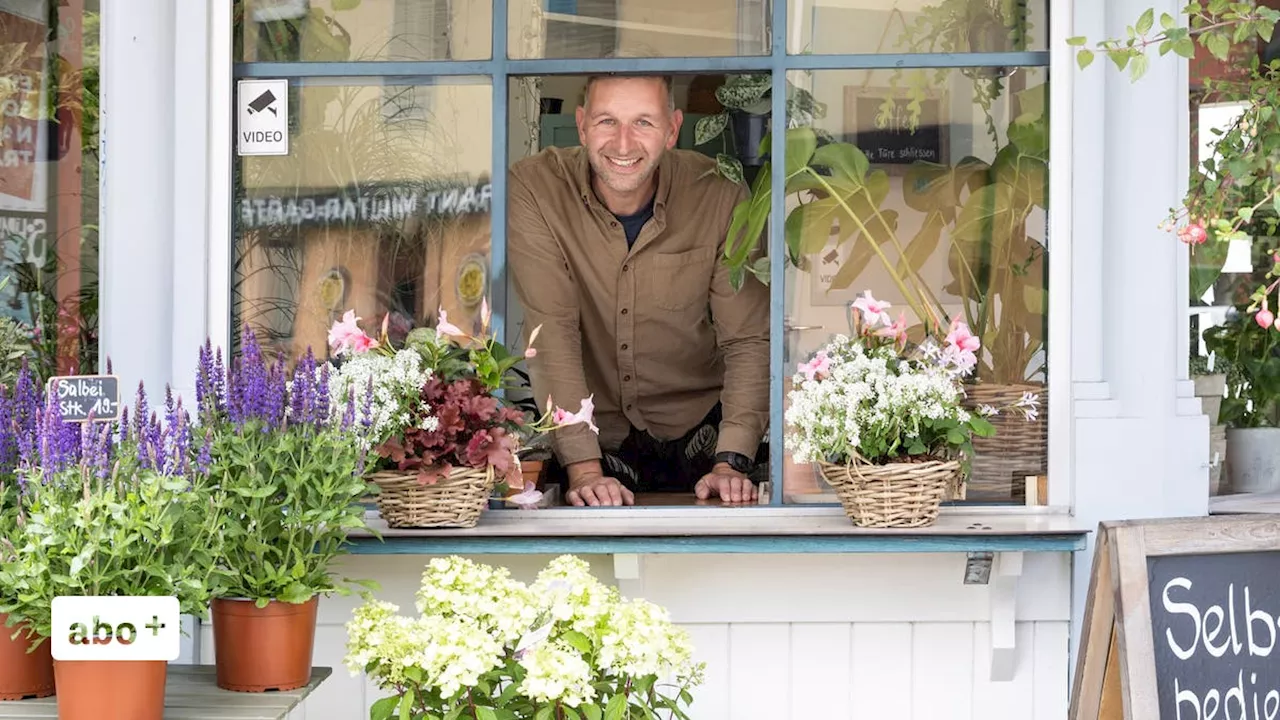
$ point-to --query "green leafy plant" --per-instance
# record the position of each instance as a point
(292, 478)
(998, 268)
(487, 647)
(1235, 193)
(1250, 355)
(963, 26)
(747, 96)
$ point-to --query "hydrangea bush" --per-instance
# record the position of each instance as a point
(871, 398)
(486, 647)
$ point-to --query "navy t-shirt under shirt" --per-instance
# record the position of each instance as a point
(631, 224)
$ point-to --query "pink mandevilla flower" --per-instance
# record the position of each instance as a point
(873, 310)
(897, 331)
(560, 416)
(960, 336)
(817, 368)
(531, 351)
(444, 327)
(346, 334)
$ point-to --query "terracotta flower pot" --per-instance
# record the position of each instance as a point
(111, 689)
(260, 649)
(23, 674)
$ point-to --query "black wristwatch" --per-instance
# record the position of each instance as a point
(739, 462)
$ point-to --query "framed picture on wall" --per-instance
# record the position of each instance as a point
(877, 121)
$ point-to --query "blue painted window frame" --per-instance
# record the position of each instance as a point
(499, 69)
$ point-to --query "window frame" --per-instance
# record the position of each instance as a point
(499, 69)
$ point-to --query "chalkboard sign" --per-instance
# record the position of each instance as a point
(82, 397)
(896, 143)
(1182, 621)
(1213, 618)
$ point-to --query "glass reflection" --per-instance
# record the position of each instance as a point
(352, 30)
(382, 206)
(637, 28)
(917, 26)
(930, 190)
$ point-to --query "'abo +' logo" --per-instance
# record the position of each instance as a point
(116, 628)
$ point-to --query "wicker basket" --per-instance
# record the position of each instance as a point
(453, 501)
(1019, 448)
(894, 495)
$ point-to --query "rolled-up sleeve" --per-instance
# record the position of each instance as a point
(742, 331)
(545, 287)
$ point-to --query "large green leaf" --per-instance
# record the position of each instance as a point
(922, 246)
(845, 161)
(863, 253)
(801, 144)
(1206, 266)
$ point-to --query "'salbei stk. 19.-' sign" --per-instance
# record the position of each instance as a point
(1182, 621)
(82, 398)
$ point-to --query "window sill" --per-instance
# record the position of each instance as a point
(727, 530)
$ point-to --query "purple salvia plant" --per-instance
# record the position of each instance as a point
(205, 460)
(322, 396)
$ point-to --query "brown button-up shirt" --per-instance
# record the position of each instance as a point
(655, 332)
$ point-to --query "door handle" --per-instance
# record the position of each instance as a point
(796, 328)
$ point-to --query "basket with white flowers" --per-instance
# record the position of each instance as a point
(884, 420)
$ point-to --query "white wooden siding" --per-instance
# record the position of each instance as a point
(798, 637)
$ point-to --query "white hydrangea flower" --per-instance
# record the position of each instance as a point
(485, 595)
(641, 641)
(556, 672)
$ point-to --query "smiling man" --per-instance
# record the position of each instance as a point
(615, 248)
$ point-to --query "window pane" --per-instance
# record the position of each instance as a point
(955, 201)
(637, 28)
(382, 205)
(49, 186)
(642, 278)
(352, 30)
(923, 26)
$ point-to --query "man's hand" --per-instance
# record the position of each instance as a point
(588, 485)
(727, 484)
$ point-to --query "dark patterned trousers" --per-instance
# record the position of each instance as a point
(645, 463)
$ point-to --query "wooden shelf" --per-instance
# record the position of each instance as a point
(191, 693)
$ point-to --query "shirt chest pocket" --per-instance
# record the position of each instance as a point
(679, 281)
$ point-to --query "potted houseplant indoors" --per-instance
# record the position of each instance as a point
(26, 663)
(883, 420)
(451, 440)
(484, 645)
(112, 512)
(292, 479)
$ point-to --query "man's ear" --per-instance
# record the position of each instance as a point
(580, 117)
(677, 119)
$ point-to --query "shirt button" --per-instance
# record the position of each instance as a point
(628, 406)
(626, 378)
(624, 346)
(624, 311)
(625, 268)
(613, 224)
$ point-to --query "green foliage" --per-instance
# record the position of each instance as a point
(1234, 194)
(290, 499)
(136, 532)
(1251, 356)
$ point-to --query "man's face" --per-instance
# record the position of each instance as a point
(625, 126)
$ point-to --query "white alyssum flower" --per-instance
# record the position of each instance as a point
(397, 387)
(866, 400)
